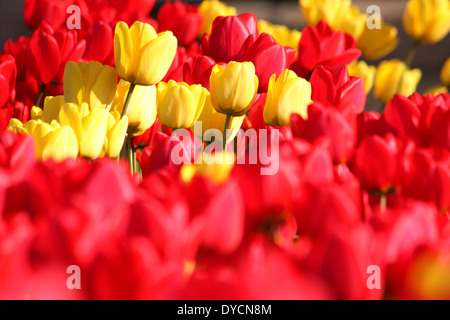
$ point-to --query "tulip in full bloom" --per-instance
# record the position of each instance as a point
(394, 77)
(91, 82)
(142, 56)
(141, 110)
(286, 95)
(320, 45)
(179, 104)
(427, 21)
(234, 88)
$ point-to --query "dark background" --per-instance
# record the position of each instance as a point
(429, 58)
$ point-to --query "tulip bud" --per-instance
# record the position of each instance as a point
(212, 9)
(234, 88)
(180, 105)
(91, 82)
(393, 77)
(141, 110)
(142, 56)
(427, 21)
(377, 43)
(286, 95)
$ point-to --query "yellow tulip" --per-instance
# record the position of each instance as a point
(354, 22)
(211, 119)
(216, 167)
(115, 136)
(141, 110)
(90, 127)
(445, 73)
(62, 144)
(16, 126)
(286, 95)
(91, 82)
(142, 56)
(281, 34)
(378, 43)
(233, 89)
(366, 72)
(330, 10)
(393, 77)
(210, 10)
(179, 104)
(427, 21)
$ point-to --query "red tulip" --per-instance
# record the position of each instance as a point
(376, 163)
(319, 45)
(230, 37)
(182, 19)
(52, 11)
(50, 50)
(100, 44)
(8, 74)
(338, 89)
(146, 138)
(327, 122)
(269, 58)
(198, 70)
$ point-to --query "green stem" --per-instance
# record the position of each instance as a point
(227, 124)
(130, 154)
(411, 53)
(127, 100)
(39, 97)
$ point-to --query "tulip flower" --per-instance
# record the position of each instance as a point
(115, 135)
(198, 71)
(376, 163)
(210, 10)
(427, 21)
(338, 89)
(377, 43)
(259, 53)
(141, 110)
(320, 45)
(333, 12)
(8, 72)
(90, 82)
(100, 44)
(394, 77)
(230, 36)
(281, 34)
(364, 71)
(286, 95)
(182, 19)
(50, 50)
(233, 89)
(142, 56)
(54, 12)
(90, 127)
(211, 119)
(179, 104)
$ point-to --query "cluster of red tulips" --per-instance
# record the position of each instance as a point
(359, 208)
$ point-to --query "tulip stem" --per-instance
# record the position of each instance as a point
(227, 124)
(411, 54)
(39, 97)
(127, 100)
